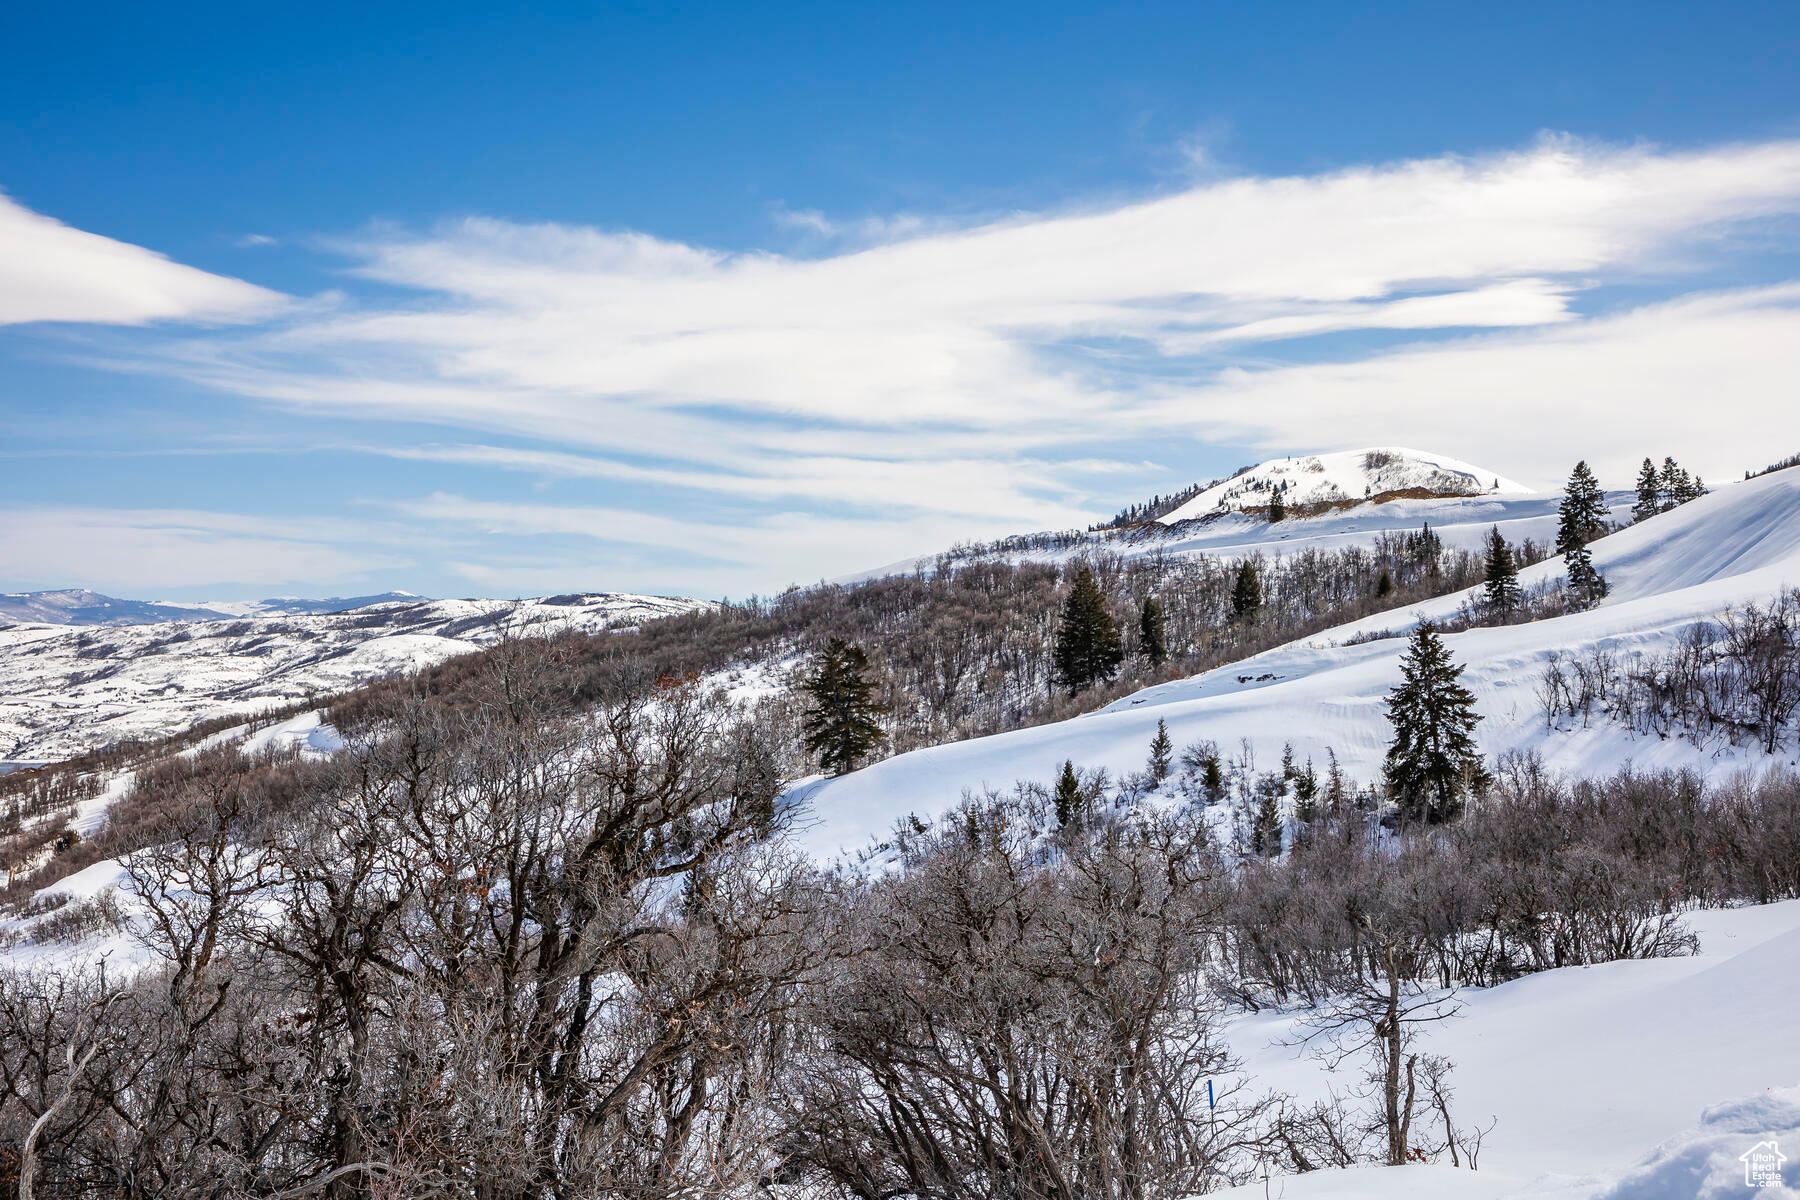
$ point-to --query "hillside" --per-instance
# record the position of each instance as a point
(1736, 546)
(1344, 477)
(66, 689)
(1335, 500)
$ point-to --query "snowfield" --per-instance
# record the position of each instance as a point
(1738, 545)
(1642, 1079)
(68, 689)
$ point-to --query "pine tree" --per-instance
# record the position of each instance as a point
(1502, 590)
(1162, 755)
(1151, 633)
(1336, 795)
(1306, 793)
(1246, 593)
(1580, 520)
(1212, 779)
(1288, 770)
(1087, 637)
(1649, 493)
(1068, 795)
(1265, 832)
(1425, 547)
(1384, 587)
(1277, 508)
(1674, 484)
(1433, 757)
(840, 728)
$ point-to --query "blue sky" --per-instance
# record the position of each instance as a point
(710, 299)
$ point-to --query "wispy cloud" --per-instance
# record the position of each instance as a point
(50, 272)
(937, 382)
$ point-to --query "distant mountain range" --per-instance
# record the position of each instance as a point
(78, 606)
(65, 690)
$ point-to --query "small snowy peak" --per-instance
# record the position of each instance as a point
(1345, 477)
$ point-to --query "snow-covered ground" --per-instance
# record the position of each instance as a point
(1739, 545)
(1642, 1080)
(66, 689)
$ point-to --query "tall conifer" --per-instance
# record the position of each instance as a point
(1649, 493)
(1087, 638)
(1433, 759)
(1580, 520)
(1246, 592)
(1502, 587)
(840, 727)
(1152, 638)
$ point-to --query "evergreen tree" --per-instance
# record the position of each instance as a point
(1649, 493)
(1265, 831)
(1425, 547)
(1162, 754)
(1151, 633)
(1087, 637)
(1586, 584)
(840, 727)
(1212, 779)
(1502, 590)
(1306, 793)
(1246, 593)
(1433, 758)
(1384, 587)
(1277, 508)
(1336, 794)
(1068, 795)
(1580, 520)
(1674, 484)
(1288, 770)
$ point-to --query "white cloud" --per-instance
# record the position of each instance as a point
(50, 272)
(1709, 378)
(987, 328)
(928, 385)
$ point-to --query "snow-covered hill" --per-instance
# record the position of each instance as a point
(1739, 545)
(66, 689)
(1344, 476)
(1346, 498)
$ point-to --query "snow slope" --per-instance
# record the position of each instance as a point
(1639, 1080)
(1739, 545)
(67, 689)
(1344, 475)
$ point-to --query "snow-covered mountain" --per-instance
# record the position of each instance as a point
(1737, 546)
(65, 689)
(1345, 477)
(79, 606)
